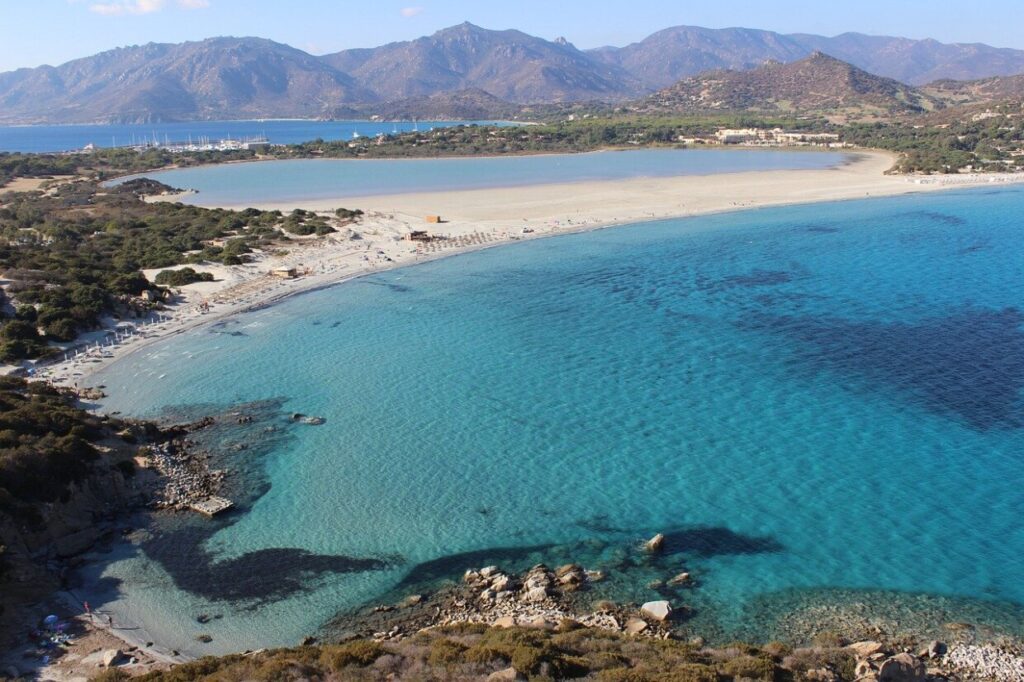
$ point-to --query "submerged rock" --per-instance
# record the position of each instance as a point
(681, 579)
(655, 544)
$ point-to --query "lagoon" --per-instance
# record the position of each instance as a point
(308, 180)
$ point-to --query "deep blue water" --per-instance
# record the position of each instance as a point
(272, 182)
(812, 402)
(59, 138)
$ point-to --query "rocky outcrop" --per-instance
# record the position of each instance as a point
(660, 611)
(901, 668)
(187, 476)
(875, 664)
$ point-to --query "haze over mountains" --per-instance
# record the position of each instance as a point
(258, 78)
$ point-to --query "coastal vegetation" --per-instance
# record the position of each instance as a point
(988, 142)
(473, 651)
(46, 444)
(181, 277)
(75, 253)
(568, 651)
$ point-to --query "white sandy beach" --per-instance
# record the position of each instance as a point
(486, 217)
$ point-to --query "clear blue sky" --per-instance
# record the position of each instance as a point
(34, 32)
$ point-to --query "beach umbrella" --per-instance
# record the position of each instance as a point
(50, 620)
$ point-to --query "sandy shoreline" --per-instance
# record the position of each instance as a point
(481, 218)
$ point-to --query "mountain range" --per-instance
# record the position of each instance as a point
(464, 65)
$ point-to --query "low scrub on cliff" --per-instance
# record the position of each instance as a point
(474, 652)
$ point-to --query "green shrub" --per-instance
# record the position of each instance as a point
(361, 653)
(348, 214)
(445, 653)
(483, 654)
(182, 277)
(19, 330)
(751, 667)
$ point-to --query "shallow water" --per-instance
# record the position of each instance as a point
(272, 182)
(804, 399)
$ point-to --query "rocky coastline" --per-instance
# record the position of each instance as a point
(553, 601)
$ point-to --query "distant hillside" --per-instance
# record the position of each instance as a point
(510, 65)
(1000, 88)
(464, 105)
(818, 83)
(215, 78)
(681, 51)
(675, 53)
(917, 62)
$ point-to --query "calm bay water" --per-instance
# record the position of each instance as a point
(812, 402)
(311, 179)
(59, 138)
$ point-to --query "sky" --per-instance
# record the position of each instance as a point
(34, 32)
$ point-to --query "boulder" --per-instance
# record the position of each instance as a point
(411, 600)
(935, 649)
(76, 543)
(501, 583)
(111, 657)
(506, 675)
(535, 595)
(657, 610)
(863, 669)
(656, 543)
(539, 623)
(488, 571)
(504, 622)
(634, 626)
(470, 576)
(866, 648)
(902, 668)
(821, 675)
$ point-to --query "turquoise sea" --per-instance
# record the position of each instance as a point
(819, 405)
(272, 182)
